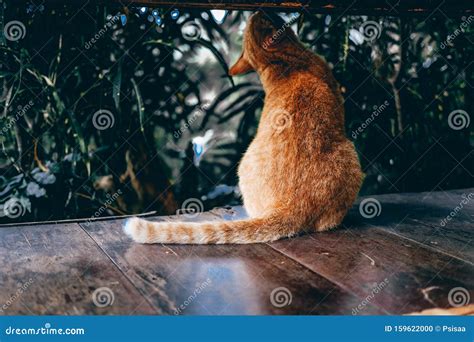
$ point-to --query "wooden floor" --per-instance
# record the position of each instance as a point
(398, 262)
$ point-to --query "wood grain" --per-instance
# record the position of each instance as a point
(230, 279)
(420, 217)
(389, 7)
(55, 269)
(400, 261)
(406, 275)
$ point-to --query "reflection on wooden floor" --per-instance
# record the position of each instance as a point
(403, 259)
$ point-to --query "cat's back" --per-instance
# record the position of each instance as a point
(312, 100)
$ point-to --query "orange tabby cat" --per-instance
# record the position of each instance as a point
(300, 173)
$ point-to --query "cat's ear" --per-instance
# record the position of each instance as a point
(242, 66)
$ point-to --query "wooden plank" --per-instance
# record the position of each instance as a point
(430, 207)
(388, 7)
(349, 7)
(230, 279)
(385, 264)
(412, 277)
(455, 242)
(395, 298)
(86, 219)
(467, 310)
(422, 218)
(440, 204)
(416, 217)
(55, 269)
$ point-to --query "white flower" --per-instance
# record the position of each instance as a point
(33, 189)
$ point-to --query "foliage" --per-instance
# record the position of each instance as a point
(410, 145)
(176, 124)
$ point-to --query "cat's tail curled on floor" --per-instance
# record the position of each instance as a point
(252, 230)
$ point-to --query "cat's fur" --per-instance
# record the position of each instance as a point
(300, 173)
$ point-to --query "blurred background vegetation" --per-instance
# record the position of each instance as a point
(111, 111)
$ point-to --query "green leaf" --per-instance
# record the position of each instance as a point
(141, 108)
(116, 85)
(218, 56)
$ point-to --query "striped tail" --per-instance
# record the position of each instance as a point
(252, 230)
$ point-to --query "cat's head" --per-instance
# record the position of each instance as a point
(266, 38)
